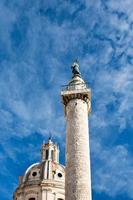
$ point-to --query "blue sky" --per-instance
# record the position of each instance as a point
(38, 42)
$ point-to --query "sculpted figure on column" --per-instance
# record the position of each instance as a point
(75, 69)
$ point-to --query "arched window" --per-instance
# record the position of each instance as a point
(32, 199)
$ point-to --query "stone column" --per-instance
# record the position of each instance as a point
(76, 100)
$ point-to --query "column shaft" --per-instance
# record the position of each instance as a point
(78, 180)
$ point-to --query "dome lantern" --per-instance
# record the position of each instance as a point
(50, 151)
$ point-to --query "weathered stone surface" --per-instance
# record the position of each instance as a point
(78, 180)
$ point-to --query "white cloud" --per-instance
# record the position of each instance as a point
(30, 81)
(115, 173)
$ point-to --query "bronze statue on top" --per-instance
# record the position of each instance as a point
(75, 69)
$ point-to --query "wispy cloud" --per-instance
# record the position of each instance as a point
(114, 172)
(38, 42)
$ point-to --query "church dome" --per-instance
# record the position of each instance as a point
(43, 171)
(44, 176)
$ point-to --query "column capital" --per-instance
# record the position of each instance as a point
(84, 94)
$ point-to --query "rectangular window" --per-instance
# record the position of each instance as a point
(46, 154)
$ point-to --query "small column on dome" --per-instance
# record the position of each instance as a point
(56, 153)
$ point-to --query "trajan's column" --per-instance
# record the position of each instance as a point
(76, 101)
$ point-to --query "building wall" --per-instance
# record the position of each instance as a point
(40, 193)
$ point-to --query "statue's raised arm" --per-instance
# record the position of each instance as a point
(75, 69)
